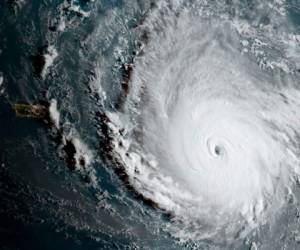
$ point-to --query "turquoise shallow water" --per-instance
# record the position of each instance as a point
(44, 202)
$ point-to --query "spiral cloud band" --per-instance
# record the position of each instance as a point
(208, 136)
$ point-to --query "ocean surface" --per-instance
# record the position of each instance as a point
(61, 186)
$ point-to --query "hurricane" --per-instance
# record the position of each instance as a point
(207, 132)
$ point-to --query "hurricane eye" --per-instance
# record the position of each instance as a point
(219, 150)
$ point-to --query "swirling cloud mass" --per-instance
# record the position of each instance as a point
(209, 135)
